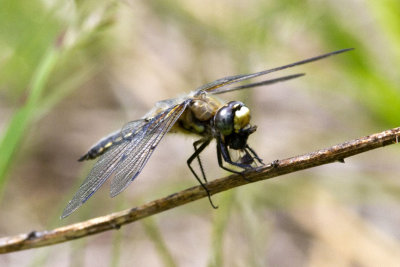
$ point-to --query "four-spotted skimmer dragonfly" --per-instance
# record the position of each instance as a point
(125, 152)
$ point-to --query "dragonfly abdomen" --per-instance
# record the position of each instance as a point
(102, 146)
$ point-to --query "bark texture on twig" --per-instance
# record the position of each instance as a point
(279, 167)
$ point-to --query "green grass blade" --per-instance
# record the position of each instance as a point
(25, 115)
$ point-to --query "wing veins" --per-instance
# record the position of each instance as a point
(138, 157)
(101, 171)
(265, 82)
(209, 87)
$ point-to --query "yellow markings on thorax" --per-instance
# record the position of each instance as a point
(188, 122)
(194, 119)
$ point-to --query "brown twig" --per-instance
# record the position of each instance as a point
(116, 220)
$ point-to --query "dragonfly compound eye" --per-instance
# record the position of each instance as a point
(223, 120)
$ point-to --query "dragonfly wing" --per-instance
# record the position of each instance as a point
(210, 87)
(265, 82)
(141, 148)
(103, 168)
(101, 171)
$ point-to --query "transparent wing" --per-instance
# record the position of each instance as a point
(113, 139)
(210, 87)
(103, 168)
(134, 134)
(222, 90)
(140, 150)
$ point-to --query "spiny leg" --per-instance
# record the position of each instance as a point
(222, 150)
(195, 144)
(222, 153)
(247, 158)
(254, 155)
(220, 163)
(273, 164)
(204, 144)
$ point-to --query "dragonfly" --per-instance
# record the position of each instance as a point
(123, 154)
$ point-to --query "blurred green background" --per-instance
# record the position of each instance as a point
(74, 71)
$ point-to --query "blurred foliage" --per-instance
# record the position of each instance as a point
(49, 49)
(39, 51)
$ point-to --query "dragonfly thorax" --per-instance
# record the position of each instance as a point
(205, 107)
(199, 114)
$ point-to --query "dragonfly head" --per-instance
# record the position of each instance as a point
(233, 124)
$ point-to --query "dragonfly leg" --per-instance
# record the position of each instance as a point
(254, 154)
(222, 153)
(195, 144)
(197, 150)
